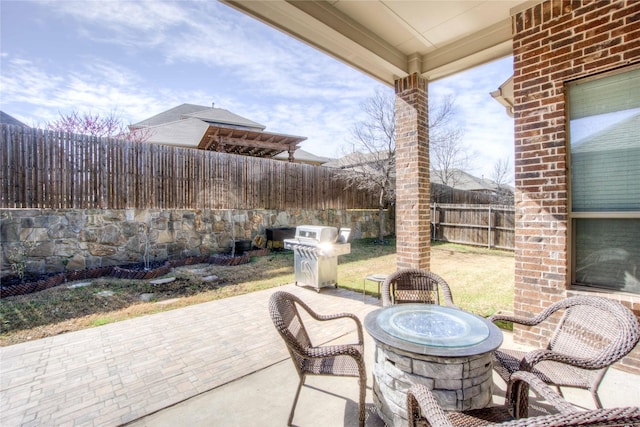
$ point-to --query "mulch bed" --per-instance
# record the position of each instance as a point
(12, 286)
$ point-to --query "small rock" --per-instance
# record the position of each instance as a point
(146, 297)
(79, 285)
(105, 294)
(210, 278)
(162, 281)
(197, 270)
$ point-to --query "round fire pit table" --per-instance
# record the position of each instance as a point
(446, 349)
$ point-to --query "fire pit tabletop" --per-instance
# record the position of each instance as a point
(433, 330)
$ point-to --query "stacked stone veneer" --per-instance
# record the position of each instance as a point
(556, 42)
(459, 383)
(67, 240)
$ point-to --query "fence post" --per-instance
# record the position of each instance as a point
(433, 221)
(489, 231)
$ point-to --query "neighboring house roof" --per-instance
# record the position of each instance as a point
(357, 158)
(10, 120)
(216, 116)
(219, 116)
(617, 133)
(182, 133)
(302, 156)
(216, 129)
(462, 180)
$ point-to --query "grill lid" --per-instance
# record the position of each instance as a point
(316, 234)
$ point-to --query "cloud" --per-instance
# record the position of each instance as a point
(98, 86)
(139, 58)
(216, 36)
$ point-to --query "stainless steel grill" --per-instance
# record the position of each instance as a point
(316, 250)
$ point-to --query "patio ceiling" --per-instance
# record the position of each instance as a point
(389, 39)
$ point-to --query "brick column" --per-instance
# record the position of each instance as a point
(412, 173)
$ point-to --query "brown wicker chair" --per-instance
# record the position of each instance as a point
(423, 409)
(341, 360)
(592, 334)
(412, 285)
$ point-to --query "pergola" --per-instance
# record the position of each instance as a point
(248, 142)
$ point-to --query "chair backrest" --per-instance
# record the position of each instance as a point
(412, 285)
(286, 318)
(598, 329)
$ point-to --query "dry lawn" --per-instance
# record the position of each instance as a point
(481, 282)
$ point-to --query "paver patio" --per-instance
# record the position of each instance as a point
(216, 363)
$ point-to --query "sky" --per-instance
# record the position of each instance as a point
(136, 59)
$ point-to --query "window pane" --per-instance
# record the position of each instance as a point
(608, 253)
(605, 167)
(618, 92)
(605, 148)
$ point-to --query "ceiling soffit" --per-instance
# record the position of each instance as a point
(391, 39)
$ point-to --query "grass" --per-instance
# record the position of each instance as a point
(481, 281)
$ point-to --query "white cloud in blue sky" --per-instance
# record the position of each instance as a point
(140, 58)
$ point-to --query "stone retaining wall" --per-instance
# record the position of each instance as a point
(46, 241)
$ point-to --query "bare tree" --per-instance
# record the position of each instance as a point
(501, 171)
(109, 126)
(371, 167)
(502, 174)
(447, 153)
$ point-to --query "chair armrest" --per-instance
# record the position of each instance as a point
(332, 351)
(422, 403)
(325, 317)
(629, 416)
(517, 396)
(510, 317)
(536, 356)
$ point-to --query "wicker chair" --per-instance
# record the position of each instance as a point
(592, 334)
(423, 409)
(341, 360)
(412, 285)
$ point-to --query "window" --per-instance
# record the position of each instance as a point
(604, 129)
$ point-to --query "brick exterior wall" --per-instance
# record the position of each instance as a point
(553, 43)
(412, 173)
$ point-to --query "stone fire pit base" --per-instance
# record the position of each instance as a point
(459, 383)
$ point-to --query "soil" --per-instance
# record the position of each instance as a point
(87, 303)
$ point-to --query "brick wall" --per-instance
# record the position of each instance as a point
(412, 173)
(555, 42)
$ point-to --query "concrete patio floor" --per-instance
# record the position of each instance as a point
(218, 363)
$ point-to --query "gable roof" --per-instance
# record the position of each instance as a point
(10, 120)
(182, 133)
(617, 133)
(216, 129)
(216, 116)
(222, 117)
(468, 182)
(302, 156)
(357, 158)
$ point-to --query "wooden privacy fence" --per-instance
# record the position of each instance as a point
(484, 225)
(42, 169)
